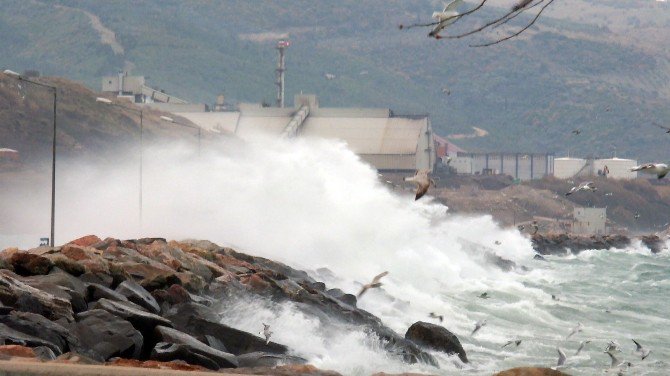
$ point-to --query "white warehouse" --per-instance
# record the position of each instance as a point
(616, 168)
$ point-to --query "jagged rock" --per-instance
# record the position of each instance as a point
(66, 264)
(436, 337)
(86, 241)
(17, 351)
(98, 278)
(539, 257)
(654, 243)
(26, 264)
(168, 352)
(561, 244)
(214, 343)
(349, 299)
(143, 321)
(138, 295)
(35, 325)
(24, 297)
(176, 294)
(106, 335)
(62, 285)
(44, 353)
(96, 292)
(89, 257)
(12, 336)
(170, 335)
(198, 321)
(261, 359)
(531, 371)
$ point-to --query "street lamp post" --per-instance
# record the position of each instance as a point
(141, 113)
(173, 121)
(53, 147)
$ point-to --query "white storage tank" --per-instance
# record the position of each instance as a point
(566, 167)
(618, 168)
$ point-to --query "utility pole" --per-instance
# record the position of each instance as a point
(282, 45)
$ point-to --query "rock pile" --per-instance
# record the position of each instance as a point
(153, 303)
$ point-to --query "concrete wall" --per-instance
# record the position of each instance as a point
(565, 168)
(619, 168)
(590, 221)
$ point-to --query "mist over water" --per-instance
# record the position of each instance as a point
(313, 204)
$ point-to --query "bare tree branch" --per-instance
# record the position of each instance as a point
(518, 32)
(506, 17)
(457, 17)
(518, 13)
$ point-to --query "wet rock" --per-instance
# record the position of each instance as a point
(261, 359)
(59, 338)
(98, 278)
(143, 321)
(345, 298)
(138, 295)
(151, 277)
(173, 336)
(539, 257)
(436, 337)
(561, 244)
(654, 243)
(26, 264)
(181, 315)
(62, 285)
(105, 335)
(531, 371)
(168, 352)
(15, 337)
(44, 353)
(96, 292)
(214, 343)
(23, 297)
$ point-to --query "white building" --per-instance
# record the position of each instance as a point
(517, 165)
(387, 141)
(590, 221)
(615, 168)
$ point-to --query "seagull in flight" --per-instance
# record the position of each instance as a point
(478, 325)
(561, 357)
(445, 18)
(433, 315)
(586, 186)
(658, 169)
(374, 284)
(266, 332)
(667, 129)
(581, 346)
(576, 132)
(422, 182)
(517, 342)
(644, 353)
(576, 329)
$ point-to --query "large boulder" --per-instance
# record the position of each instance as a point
(105, 335)
(97, 291)
(25, 264)
(436, 337)
(173, 336)
(138, 295)
(62, 285)
(37, 326)
(23, 297)
(143, 321)
(171, 352)
(9, 335)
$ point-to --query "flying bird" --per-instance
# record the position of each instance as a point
(576, 329)
(517, 342)
(478, 325)
(576, 131)
(586, 186)
(521, 4)
(616, 362)
(612, 346)
(644, 353)
(445, 18)
(422, 182)
(445, 90)
(658, 169)
(433, 315)
(667, 129)
(374, 284)
(266, 332)
(581, 346)
(561, 357)
(484, 295)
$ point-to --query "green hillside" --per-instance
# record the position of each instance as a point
(597, 73)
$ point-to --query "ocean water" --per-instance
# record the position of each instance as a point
(313, 204)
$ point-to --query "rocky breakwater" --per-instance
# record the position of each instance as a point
(153, 303)
(563, 243)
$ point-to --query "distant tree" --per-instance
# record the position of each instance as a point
(534, 7)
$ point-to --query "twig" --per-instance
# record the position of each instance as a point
(518, 32)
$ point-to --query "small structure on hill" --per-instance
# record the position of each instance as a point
(590, 221)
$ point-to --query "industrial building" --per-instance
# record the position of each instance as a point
(135, 89)
(589, 221)
(385, 140)
(518, 165)
(617, 168)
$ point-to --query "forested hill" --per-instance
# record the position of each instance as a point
(602, 67)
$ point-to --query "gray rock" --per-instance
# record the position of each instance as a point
(168, 352)
(37, 326)
(96, 292)
(143, 321)
(11, 336)
(261, 359)
(44, 353)
(105, 335)
(170, 335)
(138, 295)
(23, 297)
(436, 337)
